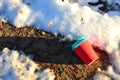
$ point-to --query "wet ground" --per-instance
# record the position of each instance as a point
(50, 52)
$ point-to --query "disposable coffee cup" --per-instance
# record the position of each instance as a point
(84, 50)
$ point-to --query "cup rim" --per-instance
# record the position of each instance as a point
(78, 42)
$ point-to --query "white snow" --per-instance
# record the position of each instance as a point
(71, 18)
(16, 65)
(100, 76)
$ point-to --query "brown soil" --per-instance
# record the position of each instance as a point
(49, 52)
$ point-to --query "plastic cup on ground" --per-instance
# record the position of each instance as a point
(84, 50)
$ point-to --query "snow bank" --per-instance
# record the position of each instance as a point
(15, 65)
(109, 74)
(71, 18)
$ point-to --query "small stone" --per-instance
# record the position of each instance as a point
(43, 33)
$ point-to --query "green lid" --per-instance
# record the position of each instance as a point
(76, 44)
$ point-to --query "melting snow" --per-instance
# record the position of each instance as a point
(71, 18)
(16, 65)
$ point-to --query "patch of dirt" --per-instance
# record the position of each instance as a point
(49, 52)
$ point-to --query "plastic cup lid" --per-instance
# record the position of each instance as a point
(77, 43)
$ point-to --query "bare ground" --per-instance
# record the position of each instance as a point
(49, 52)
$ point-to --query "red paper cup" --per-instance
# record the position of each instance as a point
(84, 51)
